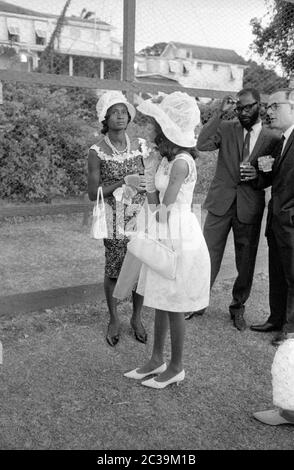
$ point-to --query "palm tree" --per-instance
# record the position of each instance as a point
(47, 56)
(85, 15)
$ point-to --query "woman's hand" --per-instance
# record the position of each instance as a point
(151, 164)
(133, 180)
(136, 181)
(162, 214)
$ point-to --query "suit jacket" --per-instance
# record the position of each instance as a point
(281, 206)
(227, 136)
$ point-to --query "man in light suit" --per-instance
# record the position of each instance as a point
(280, 221)
(232, 202)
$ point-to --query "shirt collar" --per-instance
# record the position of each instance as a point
(256, 128)
(288, 132)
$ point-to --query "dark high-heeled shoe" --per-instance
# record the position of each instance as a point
(112, 338)
(139, 332)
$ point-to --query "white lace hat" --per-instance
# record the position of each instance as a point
(177, 114)
(108, 99)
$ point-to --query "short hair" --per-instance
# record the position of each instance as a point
(253, 91)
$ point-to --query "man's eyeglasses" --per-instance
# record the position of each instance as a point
(275, 106)
(239, 108)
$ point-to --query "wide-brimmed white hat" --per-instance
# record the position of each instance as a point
(177, 114)
(108, 99)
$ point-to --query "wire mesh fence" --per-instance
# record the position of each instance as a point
(57, 58)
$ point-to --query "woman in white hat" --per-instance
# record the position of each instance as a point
(171, 187)
(115, 162)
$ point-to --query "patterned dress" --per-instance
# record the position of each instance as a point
(120, 217)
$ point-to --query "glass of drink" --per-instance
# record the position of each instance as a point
(265, 163)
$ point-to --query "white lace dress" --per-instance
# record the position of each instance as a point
(189, 291)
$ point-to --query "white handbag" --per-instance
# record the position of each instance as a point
(99, 225)
(155, 253)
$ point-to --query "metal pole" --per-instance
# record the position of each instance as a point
(128, 73)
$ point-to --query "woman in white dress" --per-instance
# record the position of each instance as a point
(170, 186)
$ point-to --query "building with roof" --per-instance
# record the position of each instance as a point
(24, 34)
(193, 66)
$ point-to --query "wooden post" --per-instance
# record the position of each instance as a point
(101, 70)
(70, 64)
(128, 73)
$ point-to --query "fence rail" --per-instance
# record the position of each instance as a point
(135, 86)
(44, 210)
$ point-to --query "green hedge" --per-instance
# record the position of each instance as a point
(45, 134)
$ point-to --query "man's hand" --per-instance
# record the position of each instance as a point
(142, 186)
(227, 104)
(248, 173)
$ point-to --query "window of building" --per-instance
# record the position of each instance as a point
(13, 34)
(40, 40)
(215, 67)
(232, 74)
(41, 32)
(13, 27)
(142, 66)
(199, 65)
(186, 67)
(173, 66)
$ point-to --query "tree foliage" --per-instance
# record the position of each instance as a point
(44, 138)
(155, 50)
(275, 42)
(263, 79)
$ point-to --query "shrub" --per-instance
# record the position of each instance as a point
(46, 134)
(44, 140)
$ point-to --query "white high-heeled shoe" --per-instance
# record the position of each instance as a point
(159, 385)
(133, 374)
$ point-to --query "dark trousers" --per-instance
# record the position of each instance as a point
(246, 238)
(281, 279)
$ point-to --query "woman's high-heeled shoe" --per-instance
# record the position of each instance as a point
(139, 332)
(133, 374)
(112, 336)
(159, 385)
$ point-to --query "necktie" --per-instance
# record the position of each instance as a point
(246, 147)
(278, 149)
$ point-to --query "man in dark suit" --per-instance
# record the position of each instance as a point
(231, 202)
(280, 221)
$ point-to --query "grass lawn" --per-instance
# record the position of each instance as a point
(62, 386)
(48, 252)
